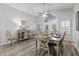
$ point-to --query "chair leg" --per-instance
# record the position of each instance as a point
(40, 51)
(48, 53)
(61, 52)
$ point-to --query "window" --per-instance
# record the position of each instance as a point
(65, 25)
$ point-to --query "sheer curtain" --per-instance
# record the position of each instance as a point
(65, 25)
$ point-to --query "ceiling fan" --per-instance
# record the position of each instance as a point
(47, 16)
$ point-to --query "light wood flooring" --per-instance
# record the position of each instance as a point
(28, 48)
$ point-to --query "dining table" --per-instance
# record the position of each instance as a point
(53, 39)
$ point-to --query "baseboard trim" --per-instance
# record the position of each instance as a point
(3, 44)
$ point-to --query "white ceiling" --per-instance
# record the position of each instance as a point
(34, 8)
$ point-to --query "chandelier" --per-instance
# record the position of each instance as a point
(46, 15)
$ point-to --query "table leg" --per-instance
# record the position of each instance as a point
(36, 46)
(57, 49)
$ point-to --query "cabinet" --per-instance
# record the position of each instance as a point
(23, 34)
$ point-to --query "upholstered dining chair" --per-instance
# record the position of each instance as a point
(61, 44)
(9, 37)
(14, 38)
(43, 41)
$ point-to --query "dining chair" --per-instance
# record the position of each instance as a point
(14, 39)
(19, 35)
(43, 41)
(9, 37)
(61, 44)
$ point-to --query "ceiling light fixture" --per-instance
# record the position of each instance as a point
(47, 16)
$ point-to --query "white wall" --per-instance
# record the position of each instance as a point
(75, 33)
(61, 15)
(8, 17)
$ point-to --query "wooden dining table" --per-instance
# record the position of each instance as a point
(51, 40)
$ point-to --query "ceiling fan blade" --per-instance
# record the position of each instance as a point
(40, 13)
(48, 14)
(50, 11)
(50, 17)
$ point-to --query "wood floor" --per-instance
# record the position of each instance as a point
(22, 48)
(28, 48)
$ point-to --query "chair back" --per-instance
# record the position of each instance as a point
(63, 36)
(43, 41)
(8, 35)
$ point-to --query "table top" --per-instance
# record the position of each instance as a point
(53, 38)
